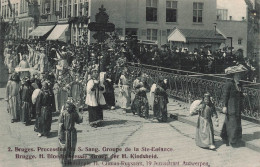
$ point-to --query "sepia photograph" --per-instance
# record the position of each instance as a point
(129, 83)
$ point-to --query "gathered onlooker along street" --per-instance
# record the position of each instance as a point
(130, 83)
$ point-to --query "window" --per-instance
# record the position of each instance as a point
(197, 12)
(239, 42)
(60, 9)
(152, 34)
(54, 6)
(222, 14)
(151, 10)
(75, 8)
(80, 8)
(69, 8)
(65, 9)
(7, 15)
(171, 11)
(16, 9)
(11, 12)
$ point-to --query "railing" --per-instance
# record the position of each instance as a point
(189, 86)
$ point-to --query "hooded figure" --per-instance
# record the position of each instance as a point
(160, 101)
(67, 133)
(26, 91)
(140, 103)
(44, 108)
(12, 96)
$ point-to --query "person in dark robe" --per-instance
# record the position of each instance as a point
(67, 134)
(205, 131)
(140, 103)
(109, 93)
(12, 96)
(231, 132)
(26, 91)
(160, 101)
(44, 108)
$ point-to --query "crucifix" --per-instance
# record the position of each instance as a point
(101, 26)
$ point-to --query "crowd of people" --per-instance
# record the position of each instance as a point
(49, 77)
(59, 78)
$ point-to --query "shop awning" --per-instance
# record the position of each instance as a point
(58, 32)
(41, 30)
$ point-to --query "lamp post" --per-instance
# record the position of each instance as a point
(231, 39)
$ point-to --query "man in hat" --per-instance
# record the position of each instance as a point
(26, 91)
(12, 96)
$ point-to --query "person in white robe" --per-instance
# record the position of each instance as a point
(95, 99)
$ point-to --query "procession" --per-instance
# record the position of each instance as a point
(132, 80)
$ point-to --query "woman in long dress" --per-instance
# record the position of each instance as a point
(67, 133)
(160, 102)
(124, 89)
(205, 131)
(233, 106)
(140, 103)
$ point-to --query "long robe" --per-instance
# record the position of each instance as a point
(60, 95)
(109, 93)
(77, 92)
(94, 100)
(125, 93)
(140, 103)
(67, 134)
(43, 63)
(160, 104)
(44, 107)
(13, 99)
(233, 100)
(204, 131)
(26, 103)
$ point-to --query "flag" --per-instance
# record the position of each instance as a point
(10, 6)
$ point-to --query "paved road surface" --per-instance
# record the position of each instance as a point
(120, 131)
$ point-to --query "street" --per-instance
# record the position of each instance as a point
(124, 140)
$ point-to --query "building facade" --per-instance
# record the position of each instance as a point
(154, 20)
(10, 12)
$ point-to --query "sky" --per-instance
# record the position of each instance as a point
(236, 8)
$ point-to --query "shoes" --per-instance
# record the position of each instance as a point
(12, 121)
(39, 135)
(112, 108)
(212, 147)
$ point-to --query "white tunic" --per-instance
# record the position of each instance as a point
(91, 98)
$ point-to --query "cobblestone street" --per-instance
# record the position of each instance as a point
(120, 131)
